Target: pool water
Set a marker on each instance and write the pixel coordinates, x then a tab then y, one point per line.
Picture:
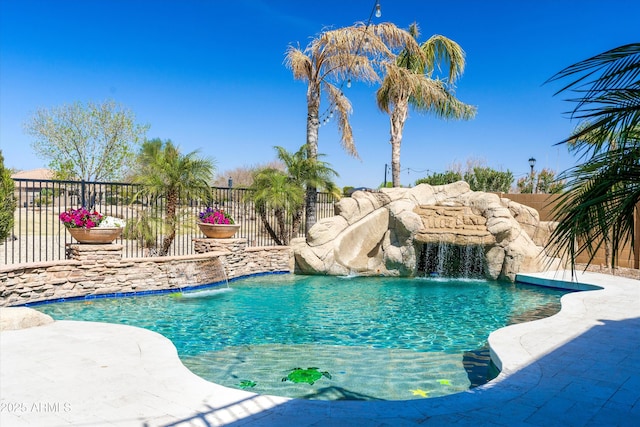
376	338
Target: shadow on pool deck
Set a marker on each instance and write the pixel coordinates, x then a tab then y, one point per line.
593	379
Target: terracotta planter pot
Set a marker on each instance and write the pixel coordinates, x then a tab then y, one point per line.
96	235
218	231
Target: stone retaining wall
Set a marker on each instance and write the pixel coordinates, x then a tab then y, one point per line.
240	260
100	269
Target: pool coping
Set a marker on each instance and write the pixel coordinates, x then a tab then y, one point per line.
550	375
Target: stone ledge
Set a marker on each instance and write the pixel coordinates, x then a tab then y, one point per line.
170	258
84	247
268	248
33	265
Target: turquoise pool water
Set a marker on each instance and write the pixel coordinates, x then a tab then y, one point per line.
378	338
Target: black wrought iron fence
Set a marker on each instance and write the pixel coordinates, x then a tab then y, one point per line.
39	235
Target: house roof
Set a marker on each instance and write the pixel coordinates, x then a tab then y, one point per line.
41	173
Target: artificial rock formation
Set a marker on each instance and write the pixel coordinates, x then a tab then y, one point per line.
12	318
383	232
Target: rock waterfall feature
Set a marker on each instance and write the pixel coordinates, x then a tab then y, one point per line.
426	230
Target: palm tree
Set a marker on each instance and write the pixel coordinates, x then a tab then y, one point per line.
308	172
348	53
164	172
408	82
283	191
273	189
603	192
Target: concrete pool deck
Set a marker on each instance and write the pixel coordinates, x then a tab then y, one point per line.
580	367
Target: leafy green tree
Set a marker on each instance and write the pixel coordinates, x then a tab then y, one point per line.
438	178
7	200
324	64
45	198
548	183
488	179
603	191
163	171
409	82
545	182
479	178
95	142
525	184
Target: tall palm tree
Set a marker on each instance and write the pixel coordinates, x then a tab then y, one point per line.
604	190
165	172
408	82
336	56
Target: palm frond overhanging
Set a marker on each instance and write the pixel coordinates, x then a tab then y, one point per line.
607	95
604	190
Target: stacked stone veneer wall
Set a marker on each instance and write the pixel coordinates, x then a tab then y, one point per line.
96	270
239	260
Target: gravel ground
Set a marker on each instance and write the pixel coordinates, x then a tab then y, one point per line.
629	273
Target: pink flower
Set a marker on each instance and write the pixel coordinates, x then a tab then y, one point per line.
80	218
215	216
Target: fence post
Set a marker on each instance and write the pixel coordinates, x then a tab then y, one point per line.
82	192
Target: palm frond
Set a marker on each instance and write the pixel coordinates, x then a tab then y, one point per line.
432	96
397	38
617	67
426	95
607	89
299	63
342	110
442	50
342	66
599	204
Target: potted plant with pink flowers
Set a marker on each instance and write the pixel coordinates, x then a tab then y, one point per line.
90	226
217	224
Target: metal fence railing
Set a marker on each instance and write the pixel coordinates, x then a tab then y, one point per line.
39	235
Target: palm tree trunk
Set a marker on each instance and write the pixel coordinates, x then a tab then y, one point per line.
267	226
313	124
282	226
295	223
398	117
172	204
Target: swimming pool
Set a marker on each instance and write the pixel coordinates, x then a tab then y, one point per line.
375	338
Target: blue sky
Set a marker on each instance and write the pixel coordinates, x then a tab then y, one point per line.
209	75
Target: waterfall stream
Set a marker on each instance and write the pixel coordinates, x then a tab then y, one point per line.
450	260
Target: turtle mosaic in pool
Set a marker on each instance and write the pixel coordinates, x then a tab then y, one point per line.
322	337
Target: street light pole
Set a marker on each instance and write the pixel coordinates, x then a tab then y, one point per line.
385	175
532	163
